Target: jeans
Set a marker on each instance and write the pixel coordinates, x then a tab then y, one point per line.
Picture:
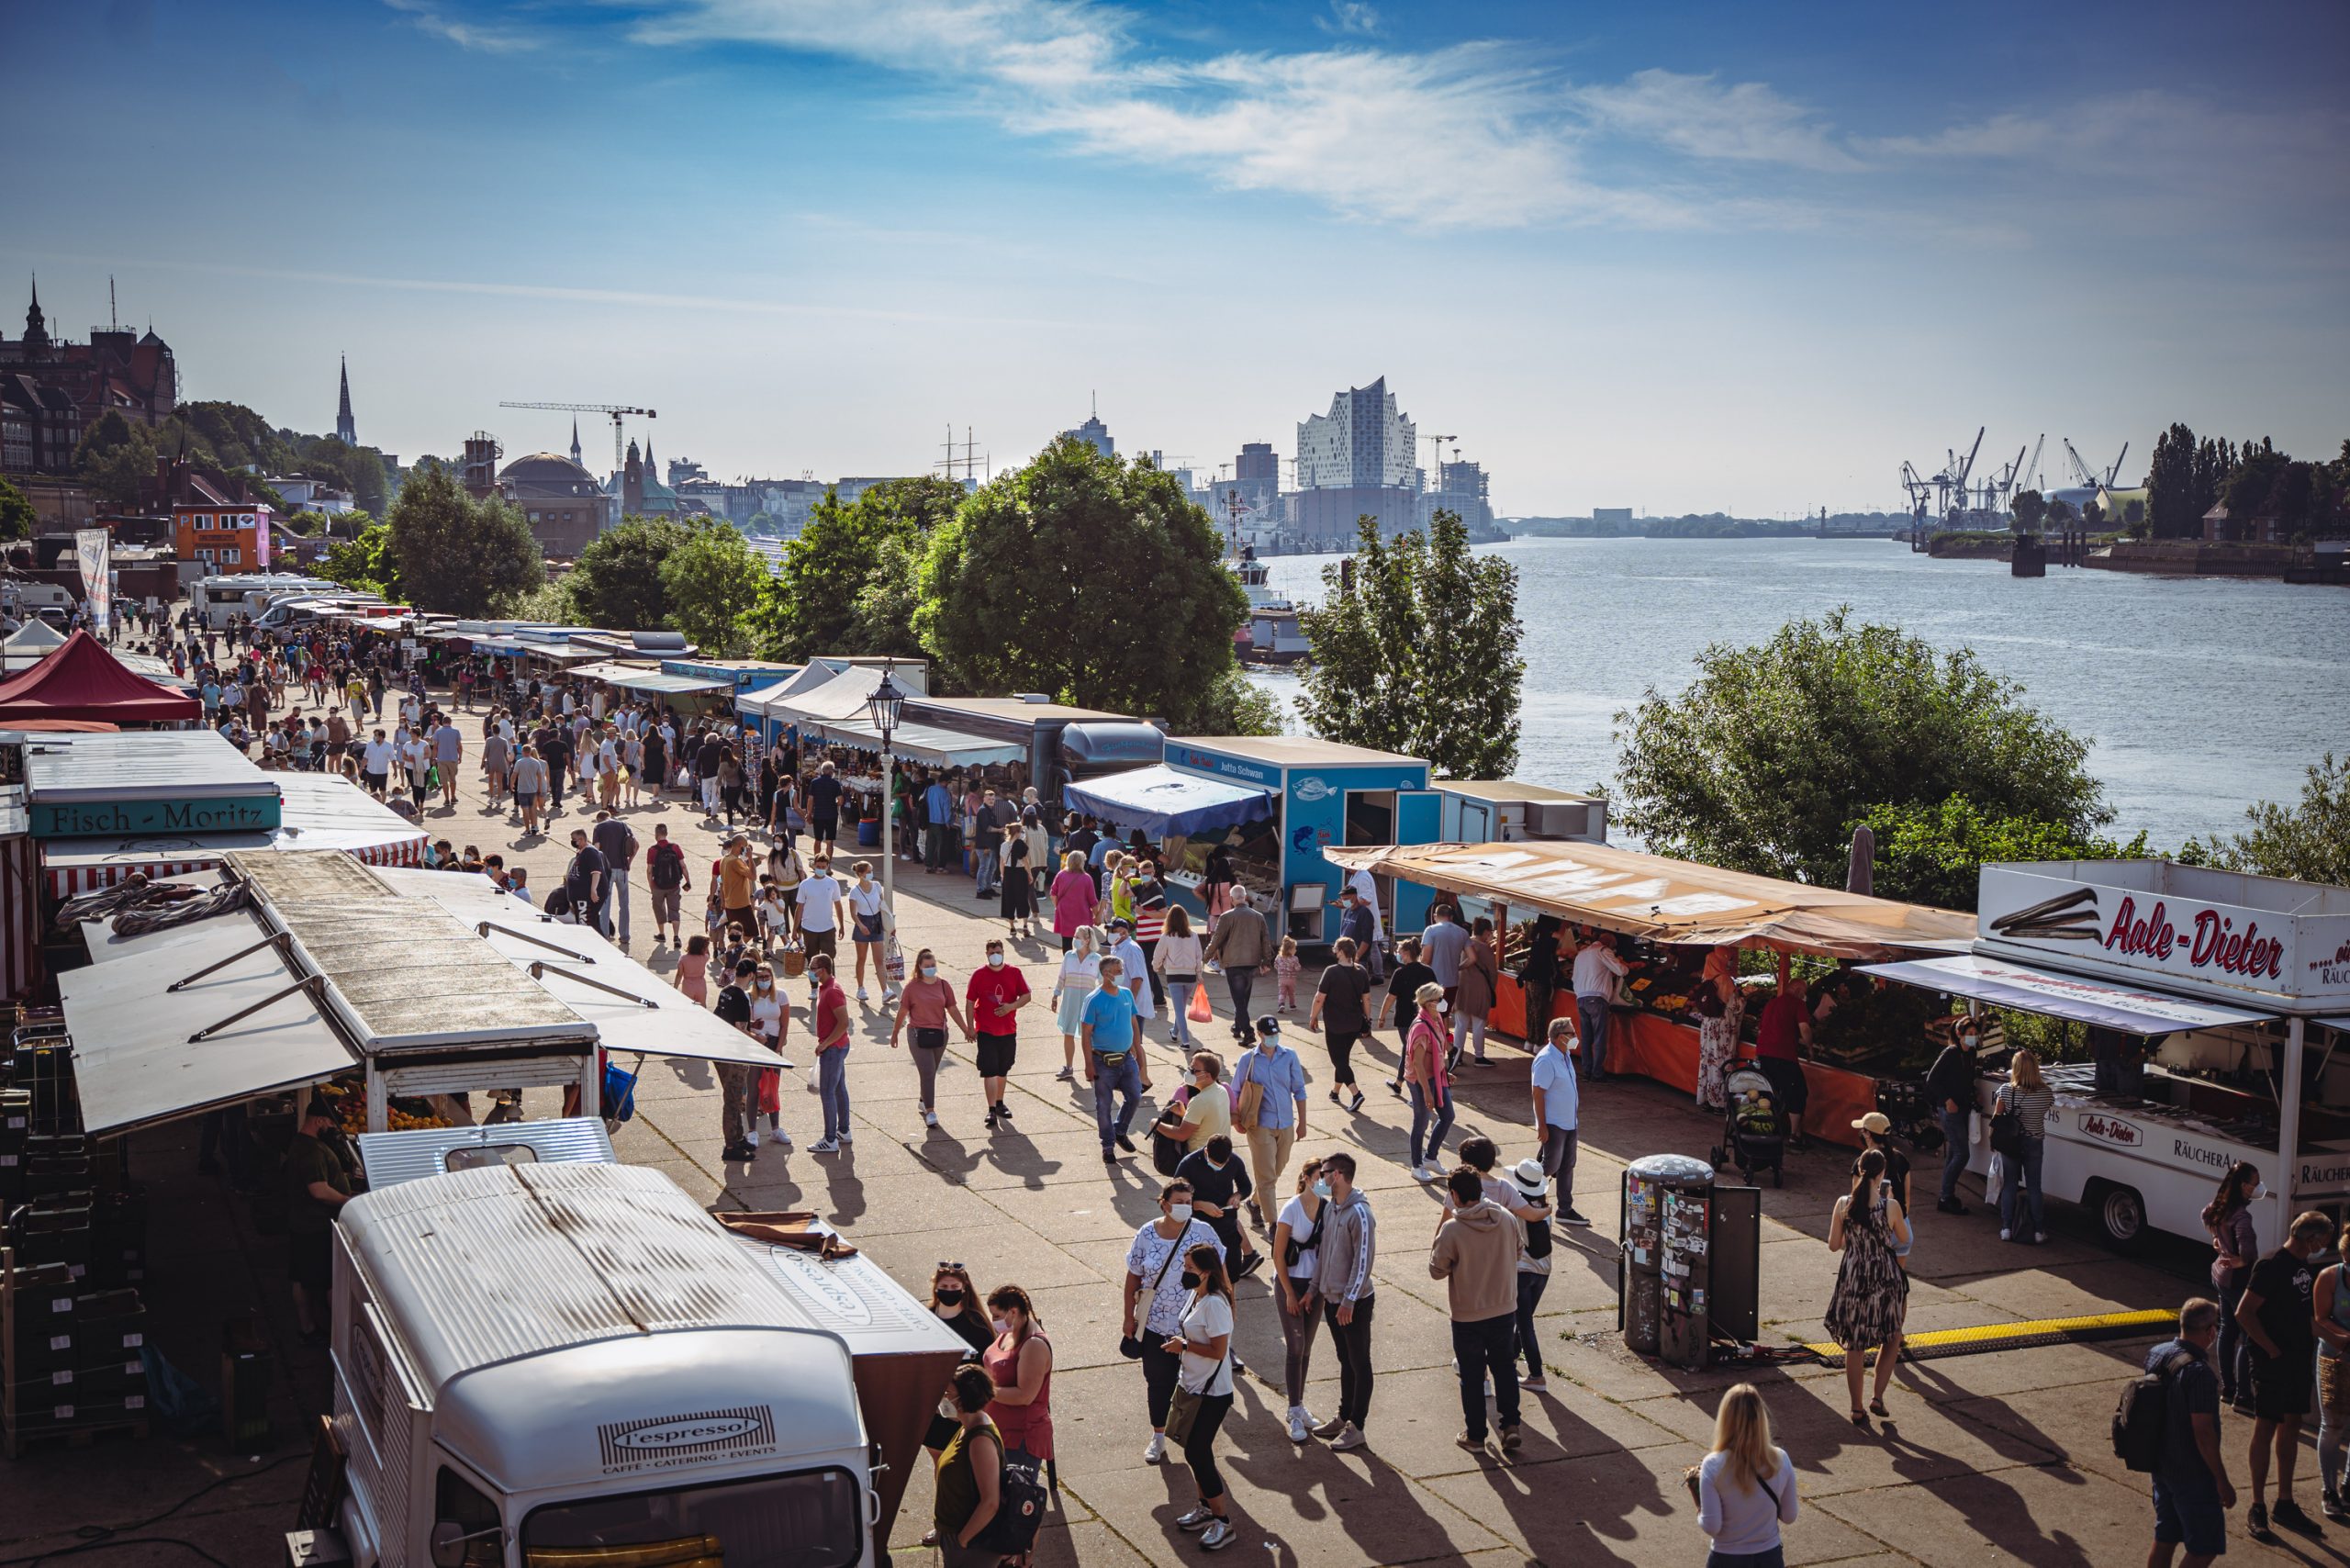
1242	984
1486	1346
2234	1359
832	1080
1179	996
1530	1296
1199	1449
1434	1124
1954	1124
1122	1078
2024	1171
1297	1343
1559	1161
1591	1013
1352	1343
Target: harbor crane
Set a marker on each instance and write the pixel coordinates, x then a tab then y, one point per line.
614	409
1952	480
2089	476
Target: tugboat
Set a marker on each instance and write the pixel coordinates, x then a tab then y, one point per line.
1270	635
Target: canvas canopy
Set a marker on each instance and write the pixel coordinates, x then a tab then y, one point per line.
920	742
841	698
2100	1003
28	646
83	680
1663	900
1164	804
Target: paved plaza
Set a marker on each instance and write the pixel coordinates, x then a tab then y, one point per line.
1986	1458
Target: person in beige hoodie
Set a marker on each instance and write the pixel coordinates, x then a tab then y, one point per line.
1475	1254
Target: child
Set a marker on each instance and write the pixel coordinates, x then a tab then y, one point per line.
714	913
693	970
774	919
1285	969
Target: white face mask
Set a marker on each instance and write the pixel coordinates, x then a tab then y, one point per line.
1969	1040
946	1408
995	961
1267	1043
1002	1326
1179	1212
2259	1190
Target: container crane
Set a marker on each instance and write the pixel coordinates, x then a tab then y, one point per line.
2081	470
613	409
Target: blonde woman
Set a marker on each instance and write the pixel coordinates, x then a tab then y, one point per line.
1081	972
1746	1488
2027	1094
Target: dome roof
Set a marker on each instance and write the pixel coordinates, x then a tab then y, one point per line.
547	475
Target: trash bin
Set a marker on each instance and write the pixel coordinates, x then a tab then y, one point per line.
1684	1237
1638	1268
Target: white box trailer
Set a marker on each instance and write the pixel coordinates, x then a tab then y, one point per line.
570	1365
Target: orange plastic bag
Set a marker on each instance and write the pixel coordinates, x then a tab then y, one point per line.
1200	1011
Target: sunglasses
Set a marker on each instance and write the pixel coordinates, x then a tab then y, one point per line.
946	1268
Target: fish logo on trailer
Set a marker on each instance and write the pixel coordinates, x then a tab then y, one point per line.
1311	788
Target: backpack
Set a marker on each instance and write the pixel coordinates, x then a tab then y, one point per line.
1020	1506
2142	1416
665	866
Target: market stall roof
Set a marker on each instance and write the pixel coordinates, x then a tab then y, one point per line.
2101	1002
1164	804
1663	900
842	697
134	1063
83	680
637	677
144	764
1019	710
1293	750
29	645
920	742
316	810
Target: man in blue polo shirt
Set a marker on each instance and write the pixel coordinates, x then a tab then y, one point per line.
1274	1069
1112	1032
939	850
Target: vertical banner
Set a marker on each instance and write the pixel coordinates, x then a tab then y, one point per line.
93	549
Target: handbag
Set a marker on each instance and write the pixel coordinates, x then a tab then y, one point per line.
1167	1152
2007	1132
1129	1345
893	963
1248	1098
1183	1410
1021	1498
816	1074
795	958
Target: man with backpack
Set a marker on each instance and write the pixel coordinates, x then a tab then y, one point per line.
665	873
2169	1423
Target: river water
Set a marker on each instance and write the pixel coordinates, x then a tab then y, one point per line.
2200	695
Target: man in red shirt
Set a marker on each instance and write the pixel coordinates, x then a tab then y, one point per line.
1779	1037
997	992
831	1055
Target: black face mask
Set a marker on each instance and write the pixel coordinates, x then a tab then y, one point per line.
950	1296
1190	1279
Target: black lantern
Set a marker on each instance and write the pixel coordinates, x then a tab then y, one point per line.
889	700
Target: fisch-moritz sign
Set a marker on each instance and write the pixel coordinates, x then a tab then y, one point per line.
96	818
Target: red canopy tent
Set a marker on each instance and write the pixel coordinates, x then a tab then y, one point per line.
83	680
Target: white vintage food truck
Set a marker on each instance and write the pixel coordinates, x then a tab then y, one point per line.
2239	989
563	1362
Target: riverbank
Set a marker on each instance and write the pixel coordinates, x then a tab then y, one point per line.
2195	558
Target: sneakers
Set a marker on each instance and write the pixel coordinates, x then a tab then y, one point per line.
2040	1239
1249	1265
1156	1450
1126	1144
1511	1437
930	1118
846	1136
1422	1174
2330	1505
825	1145
1331	1427
2289	1513
1535	1384
735	1152
1574	1216
1349	1436
1474	1443
1003	1111
2009	1235
860	993
1197	1518
1950	1207
1065	1075
1301	1428
780	1138
2256	1519
1217	1536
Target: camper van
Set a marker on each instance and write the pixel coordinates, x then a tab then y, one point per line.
566	1360
217	600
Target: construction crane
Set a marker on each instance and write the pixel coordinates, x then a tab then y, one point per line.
1952	480
614	409
1436	453
2114	473
1919	488
2032	467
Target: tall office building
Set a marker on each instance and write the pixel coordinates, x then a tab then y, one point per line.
1363	442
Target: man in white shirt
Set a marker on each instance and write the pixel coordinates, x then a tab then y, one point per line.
375	764
819	898
1367	890
1597	969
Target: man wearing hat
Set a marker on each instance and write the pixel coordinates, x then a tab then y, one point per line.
1279	1119
317	1183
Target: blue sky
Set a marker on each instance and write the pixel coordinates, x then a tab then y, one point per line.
1701	257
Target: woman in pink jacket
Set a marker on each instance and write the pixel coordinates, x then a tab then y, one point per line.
1074	898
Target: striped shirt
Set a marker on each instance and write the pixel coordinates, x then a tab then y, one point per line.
2030	1105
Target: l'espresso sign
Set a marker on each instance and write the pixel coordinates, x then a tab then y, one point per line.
2229	947
116	818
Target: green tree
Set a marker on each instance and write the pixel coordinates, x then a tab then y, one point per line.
364	563
456	556
881	618
1765	762
711	579
2030	509
810	605
2092	515
17	517
2170	486
1932	853
2309	842
2133	519
616	582
1090	578
1414	649
2252	482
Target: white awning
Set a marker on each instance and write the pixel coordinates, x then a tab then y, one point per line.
841	698
636	677
2101	1002
134	1061
920	742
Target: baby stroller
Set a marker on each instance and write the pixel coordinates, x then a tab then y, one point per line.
1754	1135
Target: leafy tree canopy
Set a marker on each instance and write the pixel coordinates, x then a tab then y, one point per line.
1091	578
711	579
811	604
1416	650
17	517
616	582
2309	842
1765	762
1932	853
364	563
457	556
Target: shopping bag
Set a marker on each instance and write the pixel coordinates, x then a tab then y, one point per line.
619	1093
1200	1011
1995	1178
893	964
770	1092
816	1076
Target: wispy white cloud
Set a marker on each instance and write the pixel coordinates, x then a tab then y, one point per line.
482	37
1349	16
1705	117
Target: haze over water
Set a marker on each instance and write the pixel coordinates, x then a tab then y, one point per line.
2200	695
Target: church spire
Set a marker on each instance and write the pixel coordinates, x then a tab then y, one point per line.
345	430
36	327
575	438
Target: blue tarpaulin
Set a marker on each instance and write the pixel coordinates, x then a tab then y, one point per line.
1165	804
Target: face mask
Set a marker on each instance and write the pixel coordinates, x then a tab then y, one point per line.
946	1408
1266	1043
1002	1326
1970	1041
1321	1189
2259	1190
1178	1212
930	971
1190	1279
950	1295
995	961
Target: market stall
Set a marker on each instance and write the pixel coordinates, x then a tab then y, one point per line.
1675	911
2216	1005
82	679
1186	816
689	694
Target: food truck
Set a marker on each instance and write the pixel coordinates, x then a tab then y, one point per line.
1317	794
2234	988
567	1361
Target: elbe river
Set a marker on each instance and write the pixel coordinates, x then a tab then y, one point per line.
2199	695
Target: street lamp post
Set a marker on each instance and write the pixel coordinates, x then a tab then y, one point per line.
888	701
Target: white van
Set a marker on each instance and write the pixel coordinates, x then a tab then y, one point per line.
549	1362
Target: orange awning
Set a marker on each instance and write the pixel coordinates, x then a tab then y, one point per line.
1668	900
